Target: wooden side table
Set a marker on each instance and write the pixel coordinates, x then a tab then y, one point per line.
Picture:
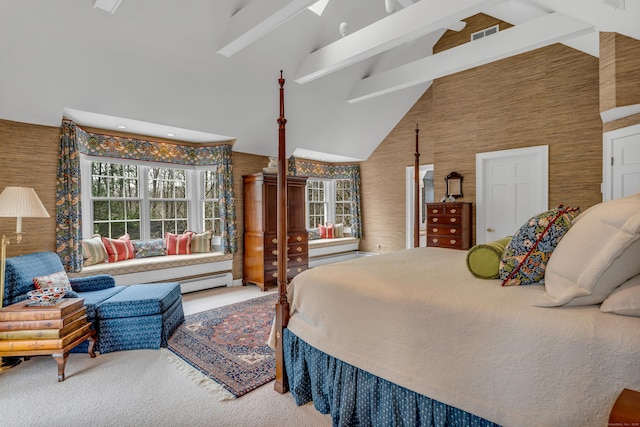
626	410
35	330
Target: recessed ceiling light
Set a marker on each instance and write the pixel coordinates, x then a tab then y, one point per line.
170	134
121	127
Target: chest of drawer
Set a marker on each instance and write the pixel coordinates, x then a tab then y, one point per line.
454	242
444	230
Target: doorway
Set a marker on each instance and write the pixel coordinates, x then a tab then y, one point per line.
621	163
426	195
511	187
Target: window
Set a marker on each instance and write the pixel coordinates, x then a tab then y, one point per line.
343	202
211	203
316	203
115	199
147	201
329	201
168	203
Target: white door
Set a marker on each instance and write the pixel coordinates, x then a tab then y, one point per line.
511	187
621	163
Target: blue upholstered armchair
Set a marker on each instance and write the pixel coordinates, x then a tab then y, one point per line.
125	317
21	270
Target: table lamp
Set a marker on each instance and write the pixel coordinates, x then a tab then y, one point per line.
16	202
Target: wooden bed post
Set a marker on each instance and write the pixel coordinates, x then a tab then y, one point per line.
282	306
416	194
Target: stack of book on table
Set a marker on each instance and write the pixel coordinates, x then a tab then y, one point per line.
25	326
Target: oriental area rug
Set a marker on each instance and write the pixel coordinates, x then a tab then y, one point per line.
229	344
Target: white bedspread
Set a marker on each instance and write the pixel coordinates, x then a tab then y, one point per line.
418	318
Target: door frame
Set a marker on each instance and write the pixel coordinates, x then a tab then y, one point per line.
540	152
607	155
409	178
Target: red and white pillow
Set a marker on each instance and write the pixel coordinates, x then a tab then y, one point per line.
326	231
179	244
119	249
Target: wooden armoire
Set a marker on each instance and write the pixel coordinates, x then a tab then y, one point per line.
260	227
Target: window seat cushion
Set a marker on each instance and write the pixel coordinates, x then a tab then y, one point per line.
138	265
339	241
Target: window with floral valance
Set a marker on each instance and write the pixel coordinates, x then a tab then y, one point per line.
349	172
75	141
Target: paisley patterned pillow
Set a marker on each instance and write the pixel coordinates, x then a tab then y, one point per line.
526	256
150	248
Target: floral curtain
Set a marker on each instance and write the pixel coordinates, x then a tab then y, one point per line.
350	172
68	212
75	140
119	147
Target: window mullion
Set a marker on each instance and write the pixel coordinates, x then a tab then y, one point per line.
330	200
195	194
145	215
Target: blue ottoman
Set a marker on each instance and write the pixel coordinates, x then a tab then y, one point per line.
139	316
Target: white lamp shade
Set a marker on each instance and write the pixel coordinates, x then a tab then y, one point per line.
19	202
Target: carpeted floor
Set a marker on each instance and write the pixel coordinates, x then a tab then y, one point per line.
228	344
141	388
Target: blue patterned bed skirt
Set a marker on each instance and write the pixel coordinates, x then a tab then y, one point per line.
355	397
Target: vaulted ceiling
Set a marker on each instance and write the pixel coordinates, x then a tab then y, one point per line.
207	70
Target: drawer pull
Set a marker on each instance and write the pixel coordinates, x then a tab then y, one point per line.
434	240
453	219
299	270
434	220
275	263
453	230
299	249
435	229
274	240
275	252
299	238
453	241
434	211
299	259
454	210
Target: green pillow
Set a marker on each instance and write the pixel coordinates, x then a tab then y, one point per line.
483	260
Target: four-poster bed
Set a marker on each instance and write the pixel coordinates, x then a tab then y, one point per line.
412	338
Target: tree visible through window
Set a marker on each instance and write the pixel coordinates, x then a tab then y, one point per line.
168	204
343	201
116	199
316	203
211	203
329	200
147	201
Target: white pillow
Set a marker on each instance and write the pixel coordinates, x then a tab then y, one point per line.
624	300
599	252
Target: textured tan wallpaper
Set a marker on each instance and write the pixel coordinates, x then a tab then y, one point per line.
549	96
30	159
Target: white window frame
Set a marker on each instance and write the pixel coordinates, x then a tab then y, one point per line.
195	188
329	200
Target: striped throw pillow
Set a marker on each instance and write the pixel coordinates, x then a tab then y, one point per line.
201	242
119	249
93	250
179	244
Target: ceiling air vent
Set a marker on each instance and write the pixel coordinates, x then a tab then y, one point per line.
484	33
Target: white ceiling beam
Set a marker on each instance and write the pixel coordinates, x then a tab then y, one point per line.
257	19
108	5
539	32
403	26
405	3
